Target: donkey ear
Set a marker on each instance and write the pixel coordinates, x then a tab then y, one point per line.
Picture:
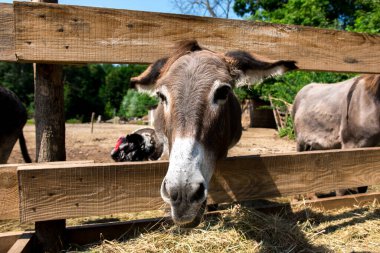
146	80
249	69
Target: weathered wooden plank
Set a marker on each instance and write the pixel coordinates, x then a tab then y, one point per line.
93	233
266	176
7	34
9	196
72	34
23	243
7	240
59	192
9	201
349	201
75	191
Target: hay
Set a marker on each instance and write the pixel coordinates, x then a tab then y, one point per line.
242	229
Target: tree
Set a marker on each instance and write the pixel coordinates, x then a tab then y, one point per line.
338	14
360	15
18	77
213	8
116	85
81	86
136	104
367	20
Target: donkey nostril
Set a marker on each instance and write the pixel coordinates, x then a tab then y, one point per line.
173	195
170	192
199	194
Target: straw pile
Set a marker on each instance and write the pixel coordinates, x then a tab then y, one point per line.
242	229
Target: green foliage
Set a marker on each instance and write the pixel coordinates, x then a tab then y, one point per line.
359	15
367	20
286	86
136	104
74	121
18	77
109	110
90	88
96	88
117	83
288	130
81	90
30	121
299	12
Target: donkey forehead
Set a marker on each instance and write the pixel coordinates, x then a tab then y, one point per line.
199	68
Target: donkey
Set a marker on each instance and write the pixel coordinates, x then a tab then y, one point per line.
198	117
15	116
338	116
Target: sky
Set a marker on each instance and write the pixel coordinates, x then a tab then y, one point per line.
165	6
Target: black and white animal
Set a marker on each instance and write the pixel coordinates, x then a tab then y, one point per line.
141	145
338	116
14	117
199	118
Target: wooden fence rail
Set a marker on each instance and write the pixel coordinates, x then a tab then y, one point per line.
51	33
9	195
49	192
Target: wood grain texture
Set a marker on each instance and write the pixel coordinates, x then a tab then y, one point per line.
9	196
349	201
7	240
77	191
23	244
265	176
7	33
9	201
59	192
72	34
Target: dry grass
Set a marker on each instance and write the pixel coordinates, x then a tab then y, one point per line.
246	230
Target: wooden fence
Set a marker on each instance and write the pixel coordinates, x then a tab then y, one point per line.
59	34
51	33
50	192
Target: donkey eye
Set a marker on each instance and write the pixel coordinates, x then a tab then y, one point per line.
221	94
162	97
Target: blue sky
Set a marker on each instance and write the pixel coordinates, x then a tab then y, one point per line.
142	5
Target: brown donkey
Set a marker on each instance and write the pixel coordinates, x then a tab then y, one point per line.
338	116
199	118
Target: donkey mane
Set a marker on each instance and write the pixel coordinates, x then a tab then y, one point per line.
372	83
181	48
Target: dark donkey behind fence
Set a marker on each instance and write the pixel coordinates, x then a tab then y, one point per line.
14	118
199	118
340	115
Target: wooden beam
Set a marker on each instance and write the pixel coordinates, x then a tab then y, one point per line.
331	203
23	244
9	200
7	240
67	191
73	34
92	233
7	33
9	196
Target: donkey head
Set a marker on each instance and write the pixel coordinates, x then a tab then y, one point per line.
199	117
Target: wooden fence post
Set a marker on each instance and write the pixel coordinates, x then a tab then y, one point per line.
49	113
50	140
92	121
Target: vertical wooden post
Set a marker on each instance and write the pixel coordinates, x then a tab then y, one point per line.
49	113
50	140
92	121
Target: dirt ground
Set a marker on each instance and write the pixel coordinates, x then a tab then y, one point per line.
81	144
